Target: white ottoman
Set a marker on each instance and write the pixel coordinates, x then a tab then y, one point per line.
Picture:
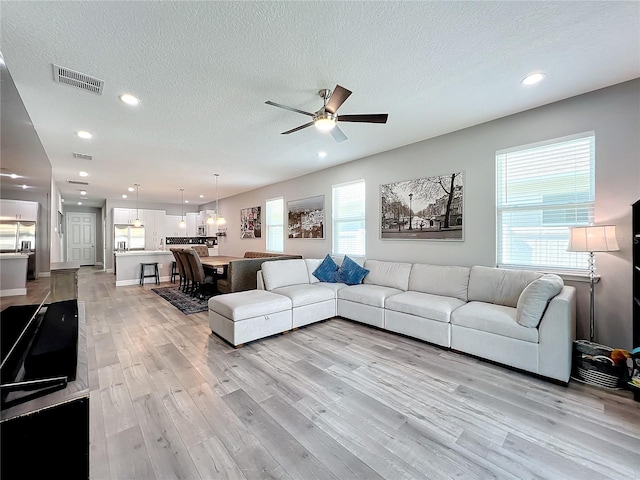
245	316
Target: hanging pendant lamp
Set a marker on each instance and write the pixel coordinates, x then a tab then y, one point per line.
182	224
137	222
219	219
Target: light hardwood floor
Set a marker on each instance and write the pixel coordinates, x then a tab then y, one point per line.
335	400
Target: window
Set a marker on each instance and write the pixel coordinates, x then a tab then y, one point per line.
348	209
542	190
275	225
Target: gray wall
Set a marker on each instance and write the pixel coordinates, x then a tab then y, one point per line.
613	113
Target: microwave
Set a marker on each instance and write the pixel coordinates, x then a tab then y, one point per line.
202	230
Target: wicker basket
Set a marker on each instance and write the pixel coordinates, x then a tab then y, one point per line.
591	366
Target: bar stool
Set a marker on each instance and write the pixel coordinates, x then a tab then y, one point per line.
174	271
155	274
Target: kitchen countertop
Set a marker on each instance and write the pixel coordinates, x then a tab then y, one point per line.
143	252
14	255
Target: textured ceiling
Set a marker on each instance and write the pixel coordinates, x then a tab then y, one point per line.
203	71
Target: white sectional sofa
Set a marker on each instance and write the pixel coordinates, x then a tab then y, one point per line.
517	318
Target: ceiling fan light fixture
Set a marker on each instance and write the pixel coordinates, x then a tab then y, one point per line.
325	121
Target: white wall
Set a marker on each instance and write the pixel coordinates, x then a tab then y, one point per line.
613	113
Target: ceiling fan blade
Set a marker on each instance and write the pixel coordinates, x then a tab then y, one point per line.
337	98
372	118
297	128
269	102
338	134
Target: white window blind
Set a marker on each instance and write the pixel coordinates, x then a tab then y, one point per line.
542	190
275	225
348	209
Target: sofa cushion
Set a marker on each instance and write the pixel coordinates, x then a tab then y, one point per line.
312	264
388	274
326	271
306	294
282	273
350	272
373	295
535	297
499	285
440	280
433	307
490	318
333	286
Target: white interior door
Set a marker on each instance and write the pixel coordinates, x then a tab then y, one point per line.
81	238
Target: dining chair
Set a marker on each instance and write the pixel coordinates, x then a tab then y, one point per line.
201	281
188	286
180	267
201	250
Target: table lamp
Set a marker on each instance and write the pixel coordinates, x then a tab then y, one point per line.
593	238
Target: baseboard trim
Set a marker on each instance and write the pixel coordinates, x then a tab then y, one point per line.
148	281
109	270
44	274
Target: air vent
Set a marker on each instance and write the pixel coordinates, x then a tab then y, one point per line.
77	79
76	182
83	156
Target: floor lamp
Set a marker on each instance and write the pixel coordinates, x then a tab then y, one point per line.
593	238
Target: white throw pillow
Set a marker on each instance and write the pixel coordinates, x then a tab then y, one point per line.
535	297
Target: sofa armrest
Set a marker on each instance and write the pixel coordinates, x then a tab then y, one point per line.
556	333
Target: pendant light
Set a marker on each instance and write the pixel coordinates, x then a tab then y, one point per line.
182	224
137	222
219	219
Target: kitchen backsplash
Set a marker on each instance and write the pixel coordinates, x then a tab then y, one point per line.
209	241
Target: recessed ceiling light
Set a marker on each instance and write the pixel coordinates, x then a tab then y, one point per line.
131	189
79	203
533	78
322	154
186	201
124	196
84	134
201	196
83	192
129	99
83	174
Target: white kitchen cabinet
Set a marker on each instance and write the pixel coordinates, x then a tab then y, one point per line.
154	228
18	210
172	226
192	224
123	216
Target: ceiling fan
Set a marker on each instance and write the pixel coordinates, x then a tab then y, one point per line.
327	117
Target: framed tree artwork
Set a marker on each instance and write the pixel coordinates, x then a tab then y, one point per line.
428	208
250	223
306	217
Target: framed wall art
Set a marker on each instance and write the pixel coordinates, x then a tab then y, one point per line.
250	223
306	217
428	208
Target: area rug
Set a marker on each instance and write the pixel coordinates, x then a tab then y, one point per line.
183	302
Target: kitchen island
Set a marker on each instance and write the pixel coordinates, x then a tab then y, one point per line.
127	265
13	274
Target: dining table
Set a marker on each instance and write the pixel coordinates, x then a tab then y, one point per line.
217	263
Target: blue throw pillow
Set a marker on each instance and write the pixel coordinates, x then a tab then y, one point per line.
350	272
326	271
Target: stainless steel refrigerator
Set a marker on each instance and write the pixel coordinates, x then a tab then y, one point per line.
20	237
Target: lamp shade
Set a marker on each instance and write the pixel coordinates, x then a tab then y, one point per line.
593	238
